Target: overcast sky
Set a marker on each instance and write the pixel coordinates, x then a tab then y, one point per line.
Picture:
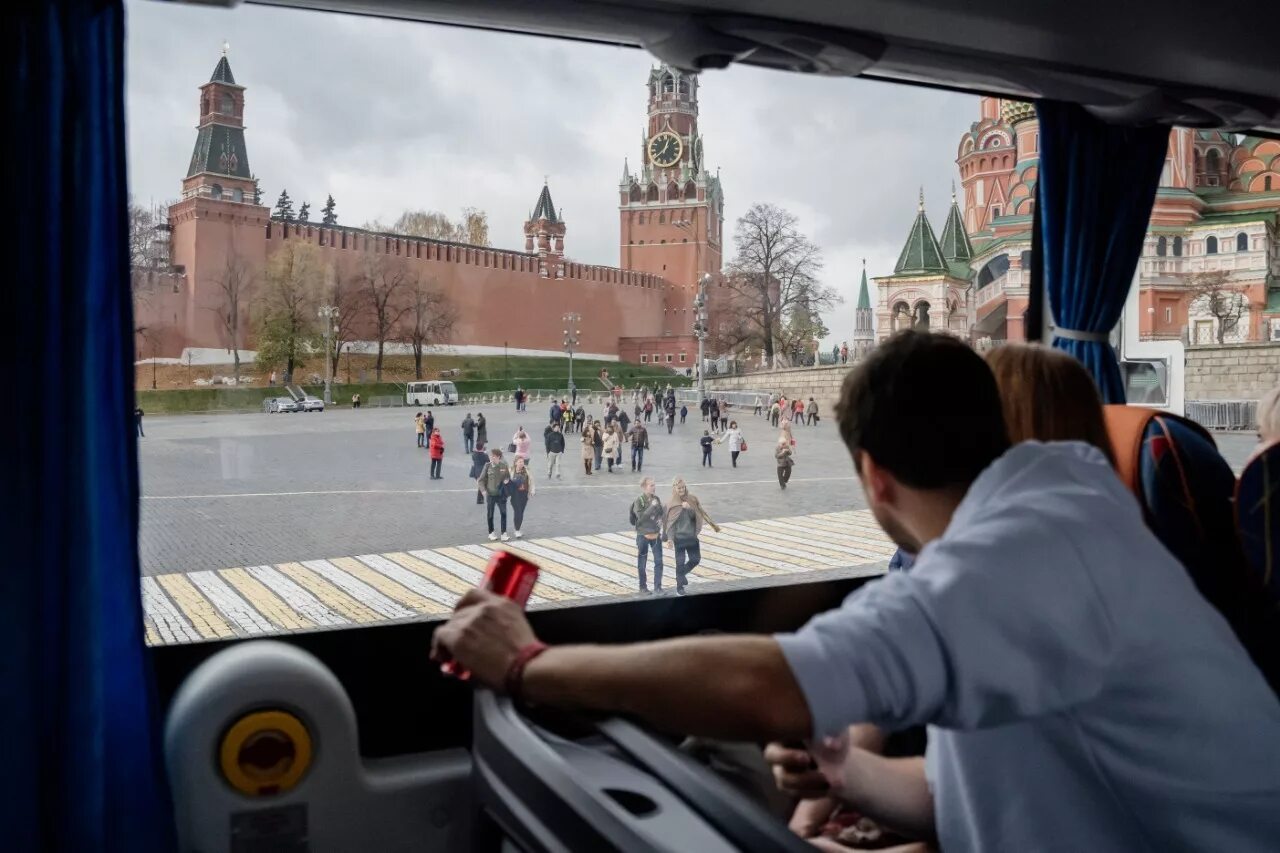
388	116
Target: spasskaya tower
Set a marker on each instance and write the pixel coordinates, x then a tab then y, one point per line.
671	208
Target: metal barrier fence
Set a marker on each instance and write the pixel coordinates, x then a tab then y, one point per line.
1224	414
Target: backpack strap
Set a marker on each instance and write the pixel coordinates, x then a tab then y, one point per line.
1126	426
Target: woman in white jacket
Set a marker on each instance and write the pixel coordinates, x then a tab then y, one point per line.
736	441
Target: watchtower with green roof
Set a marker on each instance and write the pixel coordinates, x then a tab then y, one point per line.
219	166
927	289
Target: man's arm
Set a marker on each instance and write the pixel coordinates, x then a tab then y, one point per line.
752	695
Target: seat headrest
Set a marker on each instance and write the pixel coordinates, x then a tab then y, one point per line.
1258	516
1127	428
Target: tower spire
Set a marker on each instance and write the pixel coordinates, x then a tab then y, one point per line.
921	255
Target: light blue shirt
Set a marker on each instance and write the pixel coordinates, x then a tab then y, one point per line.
1081	694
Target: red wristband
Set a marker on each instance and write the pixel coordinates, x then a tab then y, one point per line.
514	682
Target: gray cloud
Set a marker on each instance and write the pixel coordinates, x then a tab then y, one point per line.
389	115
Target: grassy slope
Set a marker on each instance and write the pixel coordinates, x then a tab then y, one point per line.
480	374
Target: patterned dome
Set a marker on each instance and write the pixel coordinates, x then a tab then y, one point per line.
1015	111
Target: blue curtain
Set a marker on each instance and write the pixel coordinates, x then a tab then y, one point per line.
83	769
1096	185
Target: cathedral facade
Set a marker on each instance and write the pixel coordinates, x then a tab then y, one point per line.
671	212
1217	211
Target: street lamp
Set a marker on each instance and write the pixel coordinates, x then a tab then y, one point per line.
700	329
571	328
328	313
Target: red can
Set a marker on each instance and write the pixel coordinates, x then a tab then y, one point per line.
509	576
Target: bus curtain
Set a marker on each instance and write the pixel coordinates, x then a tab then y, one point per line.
1096	185
83	768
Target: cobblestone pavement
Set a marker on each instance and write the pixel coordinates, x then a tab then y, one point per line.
425	583
254	489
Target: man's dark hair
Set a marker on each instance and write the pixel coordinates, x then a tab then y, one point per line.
926	408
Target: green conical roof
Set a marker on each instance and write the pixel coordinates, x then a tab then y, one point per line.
864	295
222	72
544	209
955	242
922	254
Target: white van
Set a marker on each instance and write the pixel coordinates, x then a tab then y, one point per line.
430	394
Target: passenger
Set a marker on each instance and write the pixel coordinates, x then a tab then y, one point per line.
1080	692
1048	396
1269	416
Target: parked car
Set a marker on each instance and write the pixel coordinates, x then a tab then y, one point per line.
279	405
312	404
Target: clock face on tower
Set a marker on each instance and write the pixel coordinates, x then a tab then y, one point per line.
665	149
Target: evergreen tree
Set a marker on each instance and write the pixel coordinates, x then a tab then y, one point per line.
284	207
304	212
257	190
328	216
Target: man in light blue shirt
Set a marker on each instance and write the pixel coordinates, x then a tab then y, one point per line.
1080	693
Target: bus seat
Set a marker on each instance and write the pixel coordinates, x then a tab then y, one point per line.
1187	494
261	747
1258	518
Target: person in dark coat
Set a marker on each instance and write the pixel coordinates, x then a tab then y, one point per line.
482	431
479	459
468	435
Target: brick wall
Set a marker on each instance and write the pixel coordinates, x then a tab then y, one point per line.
820	383
1232	371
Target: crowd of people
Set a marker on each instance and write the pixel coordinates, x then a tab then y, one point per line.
1075	689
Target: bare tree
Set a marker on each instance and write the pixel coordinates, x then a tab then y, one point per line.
383	281
473	228
774	274
1214	294
232	282
149	236
344	292
429	320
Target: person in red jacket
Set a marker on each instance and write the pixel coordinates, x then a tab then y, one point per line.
436	448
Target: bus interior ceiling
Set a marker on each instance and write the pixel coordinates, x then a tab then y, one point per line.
1132	63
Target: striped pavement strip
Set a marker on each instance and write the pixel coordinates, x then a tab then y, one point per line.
255	601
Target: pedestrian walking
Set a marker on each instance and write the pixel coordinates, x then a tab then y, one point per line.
812	411
705	406
436	449
493	481
420	426
479	459
521	442
714	411
684	411
639	444
799	411
553	438
624	422
621	436
683	522
580	417
774	413
785	457
648	410
670	408
355	401
556	412
588	448
786	431
521	489
519	398
736	442
646	516
430	422
844	352
611	445
707	442
597	443
482	430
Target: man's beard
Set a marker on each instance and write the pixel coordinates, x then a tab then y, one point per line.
895	530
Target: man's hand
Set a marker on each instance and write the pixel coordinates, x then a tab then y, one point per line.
484	635
795	771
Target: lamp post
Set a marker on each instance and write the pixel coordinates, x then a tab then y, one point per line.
328	313
700	329
571	328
